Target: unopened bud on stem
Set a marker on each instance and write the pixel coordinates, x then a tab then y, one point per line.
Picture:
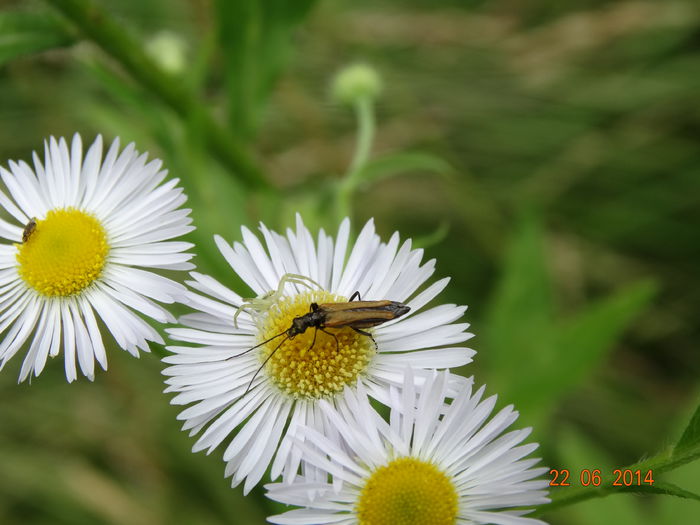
355	82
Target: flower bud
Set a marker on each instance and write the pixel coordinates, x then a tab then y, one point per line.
356	82
168	50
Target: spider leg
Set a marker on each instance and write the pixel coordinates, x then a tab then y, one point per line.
245	306
295	278
235	317
257	304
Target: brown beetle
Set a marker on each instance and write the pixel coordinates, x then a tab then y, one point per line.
354	314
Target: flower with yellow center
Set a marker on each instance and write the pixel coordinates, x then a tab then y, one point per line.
407	491
63	254
80	229
438	461
258	396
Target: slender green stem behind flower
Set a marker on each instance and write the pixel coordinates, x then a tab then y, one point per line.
96	25
364	109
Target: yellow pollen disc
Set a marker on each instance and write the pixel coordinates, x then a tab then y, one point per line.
64	253
408	491
303	368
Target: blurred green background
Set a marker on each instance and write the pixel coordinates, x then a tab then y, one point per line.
545	153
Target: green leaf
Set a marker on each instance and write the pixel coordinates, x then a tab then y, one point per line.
27	33
403	163
562	499
255	39
522	332
584	340
671	510
518	326
688	445
661	487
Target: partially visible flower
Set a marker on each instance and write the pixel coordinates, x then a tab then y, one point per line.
288	377
437	462
85	226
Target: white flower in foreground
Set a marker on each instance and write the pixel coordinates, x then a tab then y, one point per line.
215	375
84	227
435	463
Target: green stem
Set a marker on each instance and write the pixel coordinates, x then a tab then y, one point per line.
365	136
96	25
364	110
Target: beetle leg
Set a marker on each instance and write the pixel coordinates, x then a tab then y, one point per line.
337	346
355	295
368	335
313	341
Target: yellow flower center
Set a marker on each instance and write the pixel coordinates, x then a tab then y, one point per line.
405	492
304	368
62	254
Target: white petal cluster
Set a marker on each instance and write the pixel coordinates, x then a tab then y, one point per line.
486	465
140	212
212	377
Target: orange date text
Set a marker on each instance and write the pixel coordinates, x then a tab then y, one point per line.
595	478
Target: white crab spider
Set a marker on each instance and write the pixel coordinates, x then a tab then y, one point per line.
263	302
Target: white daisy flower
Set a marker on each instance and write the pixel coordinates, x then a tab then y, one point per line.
436	461
85	225
259	391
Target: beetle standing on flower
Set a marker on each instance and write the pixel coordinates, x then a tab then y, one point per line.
357	315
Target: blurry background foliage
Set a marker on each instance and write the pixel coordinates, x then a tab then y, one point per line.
546	153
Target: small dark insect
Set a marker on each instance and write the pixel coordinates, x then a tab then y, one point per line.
355	314
29	229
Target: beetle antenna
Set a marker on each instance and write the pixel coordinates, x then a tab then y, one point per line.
260	344
264	363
